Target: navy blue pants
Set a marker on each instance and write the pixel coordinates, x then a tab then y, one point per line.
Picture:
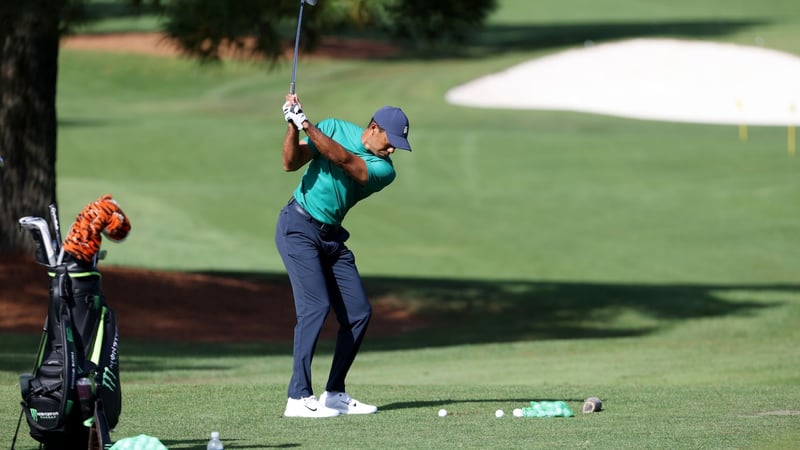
324	276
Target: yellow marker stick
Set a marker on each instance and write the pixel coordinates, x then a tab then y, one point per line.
791	140
742	127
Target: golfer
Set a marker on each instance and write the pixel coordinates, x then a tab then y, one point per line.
346	163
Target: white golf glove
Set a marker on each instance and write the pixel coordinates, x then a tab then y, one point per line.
287	110
292	112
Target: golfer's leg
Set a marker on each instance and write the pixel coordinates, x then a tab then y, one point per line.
301	258
353	311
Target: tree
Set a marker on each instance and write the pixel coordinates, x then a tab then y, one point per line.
29	44
438	24
29	35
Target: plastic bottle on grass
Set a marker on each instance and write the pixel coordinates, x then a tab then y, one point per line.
547	409
214	443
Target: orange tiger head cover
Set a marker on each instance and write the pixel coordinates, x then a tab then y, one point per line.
101	217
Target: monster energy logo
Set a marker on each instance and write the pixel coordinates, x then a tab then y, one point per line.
50	415
109	380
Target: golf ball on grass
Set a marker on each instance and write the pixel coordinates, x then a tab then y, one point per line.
518	412
442	413
499	413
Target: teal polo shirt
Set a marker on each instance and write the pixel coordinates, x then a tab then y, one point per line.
326	191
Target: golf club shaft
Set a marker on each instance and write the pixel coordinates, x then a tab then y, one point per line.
296	48
56	224
59	250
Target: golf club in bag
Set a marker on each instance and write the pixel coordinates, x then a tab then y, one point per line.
297	44
72	397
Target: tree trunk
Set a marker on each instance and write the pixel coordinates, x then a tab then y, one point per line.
29	39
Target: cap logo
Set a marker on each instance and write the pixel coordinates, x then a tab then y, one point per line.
405	131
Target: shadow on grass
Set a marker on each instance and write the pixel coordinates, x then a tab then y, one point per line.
444	312
499	39
447	402
527	37
447	312
465	312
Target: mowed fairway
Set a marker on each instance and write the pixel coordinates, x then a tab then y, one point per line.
556	256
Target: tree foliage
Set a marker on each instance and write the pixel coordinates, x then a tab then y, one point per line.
437	23
207	28
204	28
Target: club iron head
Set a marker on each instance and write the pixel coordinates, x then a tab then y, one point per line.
40	231
311	2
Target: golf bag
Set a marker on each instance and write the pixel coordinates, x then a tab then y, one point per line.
77	366
72	398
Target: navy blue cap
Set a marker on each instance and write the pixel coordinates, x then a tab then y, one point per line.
395	122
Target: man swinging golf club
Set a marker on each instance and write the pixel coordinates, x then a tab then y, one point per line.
346	164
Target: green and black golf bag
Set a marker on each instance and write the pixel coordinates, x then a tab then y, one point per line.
72	398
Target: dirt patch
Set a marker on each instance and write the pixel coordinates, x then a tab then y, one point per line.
156	44
180	306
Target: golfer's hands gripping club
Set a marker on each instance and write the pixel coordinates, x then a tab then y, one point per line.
293	111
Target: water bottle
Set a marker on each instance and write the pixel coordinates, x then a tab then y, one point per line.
214	443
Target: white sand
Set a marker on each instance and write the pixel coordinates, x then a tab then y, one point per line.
657	79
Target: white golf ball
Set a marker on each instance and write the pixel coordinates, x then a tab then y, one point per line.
518	412
442	413
499	413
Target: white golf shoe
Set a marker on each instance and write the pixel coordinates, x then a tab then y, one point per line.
308	407
345	404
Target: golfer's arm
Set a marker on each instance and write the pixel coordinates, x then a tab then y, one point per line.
335	153
295	155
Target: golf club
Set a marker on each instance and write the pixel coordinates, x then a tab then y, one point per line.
57	231
297	43
40	230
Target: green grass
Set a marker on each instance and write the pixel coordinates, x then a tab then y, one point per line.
555	255
552	195
716	382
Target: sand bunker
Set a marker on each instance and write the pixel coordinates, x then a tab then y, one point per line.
656	79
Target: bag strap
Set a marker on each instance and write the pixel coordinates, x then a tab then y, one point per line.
97	344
